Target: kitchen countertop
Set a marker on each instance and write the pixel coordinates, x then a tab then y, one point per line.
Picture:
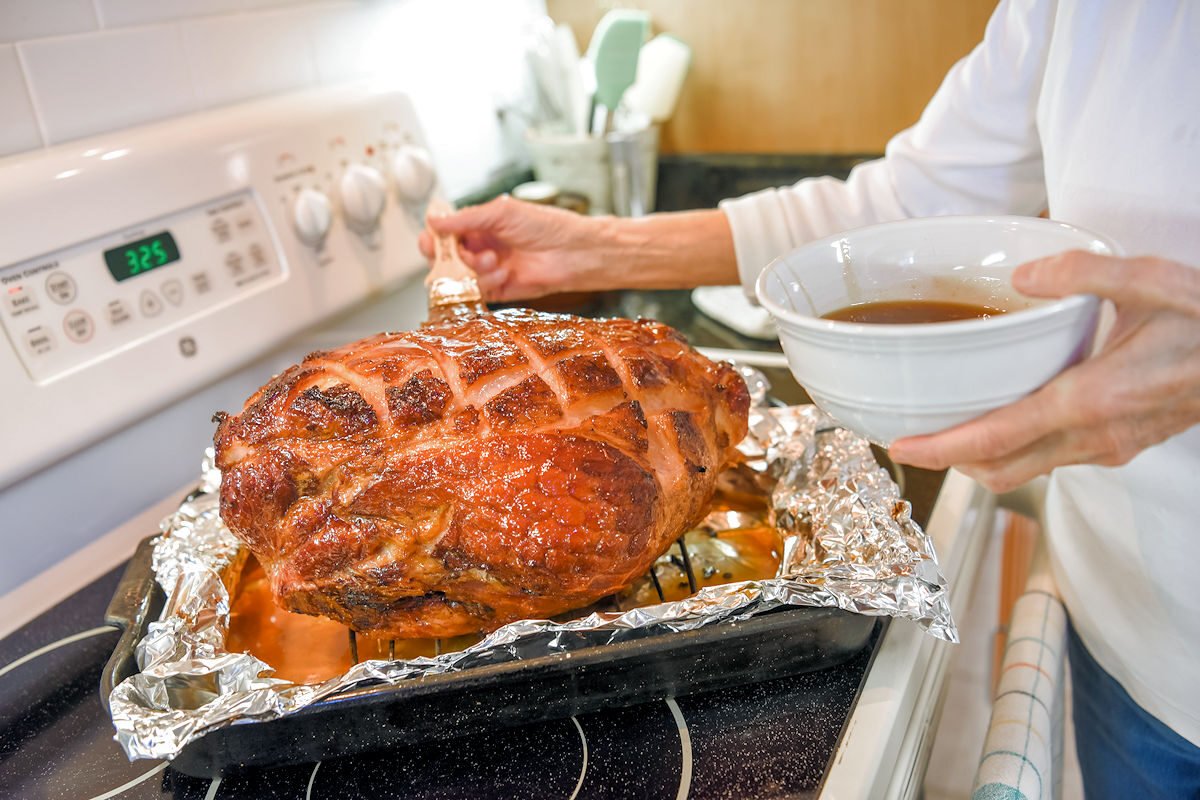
703	180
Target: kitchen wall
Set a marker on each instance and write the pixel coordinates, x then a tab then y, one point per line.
76	68
796	76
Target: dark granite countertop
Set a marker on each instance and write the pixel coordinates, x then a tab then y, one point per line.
702	181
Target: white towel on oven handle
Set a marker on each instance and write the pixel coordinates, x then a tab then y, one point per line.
1023	752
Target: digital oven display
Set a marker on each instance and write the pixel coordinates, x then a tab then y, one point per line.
134	258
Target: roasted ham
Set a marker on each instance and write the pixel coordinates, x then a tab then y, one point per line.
476	471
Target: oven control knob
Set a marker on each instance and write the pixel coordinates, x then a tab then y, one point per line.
413	172
364	192
312	216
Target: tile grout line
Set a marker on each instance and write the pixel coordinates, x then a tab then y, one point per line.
33	103
186	50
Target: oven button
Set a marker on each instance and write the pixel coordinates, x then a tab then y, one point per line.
173	291
150	304
20	299
235	265
61	288
79	326
39	340
220	230
201	283
118	313
257	255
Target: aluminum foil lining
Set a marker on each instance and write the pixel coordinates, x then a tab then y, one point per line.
848	542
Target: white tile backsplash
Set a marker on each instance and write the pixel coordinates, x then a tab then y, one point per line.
32	19
237	57
340	34
82	67
18	124
104	81
120	13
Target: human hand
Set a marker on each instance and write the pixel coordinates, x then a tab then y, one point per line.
1140	389
522	250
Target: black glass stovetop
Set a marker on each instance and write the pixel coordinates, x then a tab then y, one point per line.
765	740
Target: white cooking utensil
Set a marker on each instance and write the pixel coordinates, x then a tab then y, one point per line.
662	67
550	78
613	53
565	54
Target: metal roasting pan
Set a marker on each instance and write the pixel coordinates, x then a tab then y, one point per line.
660	665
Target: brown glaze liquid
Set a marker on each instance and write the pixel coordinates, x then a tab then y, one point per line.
911	312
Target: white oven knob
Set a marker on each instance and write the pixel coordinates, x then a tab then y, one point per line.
312	216
413	171
364	192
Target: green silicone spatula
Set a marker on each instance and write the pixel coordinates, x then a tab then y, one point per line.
613	52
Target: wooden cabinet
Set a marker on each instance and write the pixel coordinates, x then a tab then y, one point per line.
801	76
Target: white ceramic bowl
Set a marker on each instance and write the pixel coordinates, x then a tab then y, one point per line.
889	381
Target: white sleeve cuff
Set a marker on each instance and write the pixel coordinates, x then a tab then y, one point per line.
760	233
771	223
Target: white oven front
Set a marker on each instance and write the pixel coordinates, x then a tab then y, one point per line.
153	276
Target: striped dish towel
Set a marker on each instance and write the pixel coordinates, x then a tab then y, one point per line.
1022	755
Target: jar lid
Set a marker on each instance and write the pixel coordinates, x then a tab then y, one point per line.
537	192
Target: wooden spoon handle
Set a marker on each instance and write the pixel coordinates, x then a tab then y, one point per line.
447	263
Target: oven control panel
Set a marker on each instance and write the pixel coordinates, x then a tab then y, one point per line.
74	307
140	266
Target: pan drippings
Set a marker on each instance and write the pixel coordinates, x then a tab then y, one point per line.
304	648
308	649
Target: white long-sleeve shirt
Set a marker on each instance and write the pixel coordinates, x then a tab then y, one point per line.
1090	108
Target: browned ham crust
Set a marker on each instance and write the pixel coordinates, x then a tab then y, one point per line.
475	472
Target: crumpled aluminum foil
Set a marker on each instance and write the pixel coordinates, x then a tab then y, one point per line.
848	541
